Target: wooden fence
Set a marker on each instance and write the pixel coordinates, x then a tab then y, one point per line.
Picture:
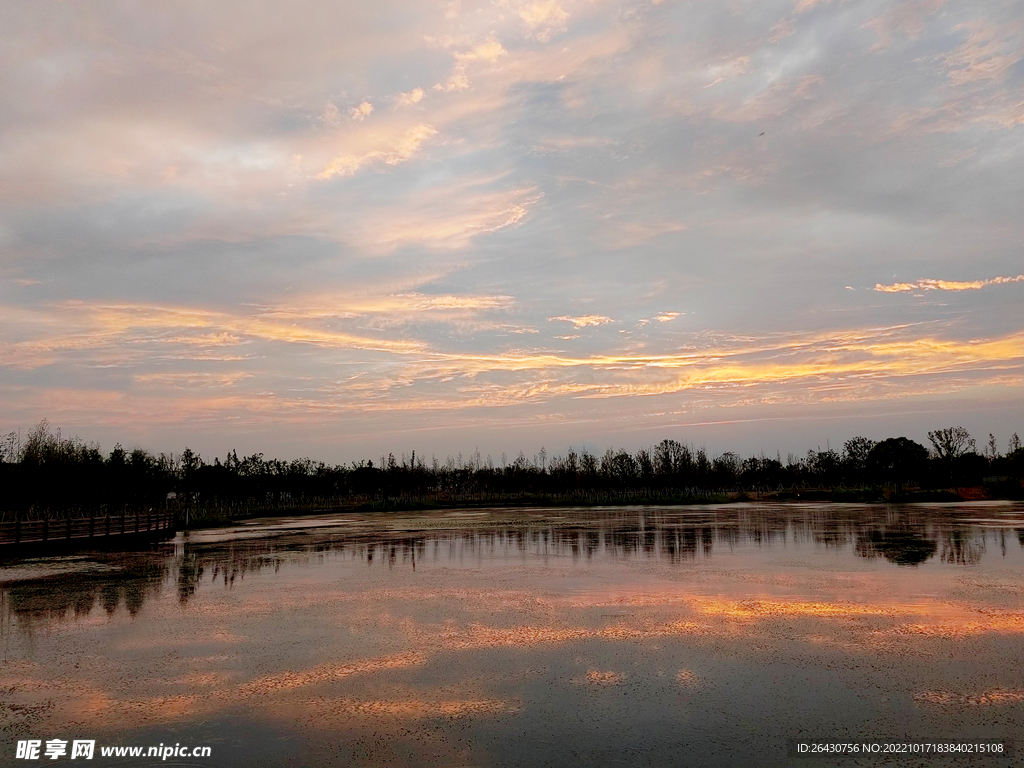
80	529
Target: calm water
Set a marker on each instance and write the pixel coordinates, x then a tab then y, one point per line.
633	637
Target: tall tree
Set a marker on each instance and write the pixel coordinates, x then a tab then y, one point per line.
951	442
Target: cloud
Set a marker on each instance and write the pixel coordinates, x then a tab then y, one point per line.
803	6
489	52
361	112
330	115
945	285
543	18
394	305
407	99
629	234
987	54
170	181
192	379
907	19
401	149
729	70
566	143
130	328
771	102
448	217
583	321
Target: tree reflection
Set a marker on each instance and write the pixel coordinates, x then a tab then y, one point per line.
901	546
900	535
958	547
60	597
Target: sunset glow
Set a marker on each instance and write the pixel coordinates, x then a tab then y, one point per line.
508	225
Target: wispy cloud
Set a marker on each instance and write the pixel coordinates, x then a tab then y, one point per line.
431	220
397	151
583	321
356	215
987	54
489	52
945	285
907	19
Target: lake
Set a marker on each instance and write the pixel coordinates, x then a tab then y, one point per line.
703	636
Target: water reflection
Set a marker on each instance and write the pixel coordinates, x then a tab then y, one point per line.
127	584
502	637
903	546
904	536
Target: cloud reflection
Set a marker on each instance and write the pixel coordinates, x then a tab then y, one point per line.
398	620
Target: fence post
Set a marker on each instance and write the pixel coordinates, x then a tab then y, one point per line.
136	521
67	528
92	525
46	528
17	531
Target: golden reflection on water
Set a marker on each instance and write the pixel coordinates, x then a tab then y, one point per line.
599	678
273	684
988	698
473	623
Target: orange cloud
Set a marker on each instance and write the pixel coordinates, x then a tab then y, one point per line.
362	112
583	321
987	54
413	374
543	18
399	151
945	285
489	51
415	96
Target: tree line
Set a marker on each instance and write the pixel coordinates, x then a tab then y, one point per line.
45	473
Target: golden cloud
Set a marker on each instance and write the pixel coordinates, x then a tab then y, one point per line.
582	321
362	112
945	285
543	18
407	99
399	151
413	374
489	51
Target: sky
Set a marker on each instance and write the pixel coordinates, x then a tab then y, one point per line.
339	229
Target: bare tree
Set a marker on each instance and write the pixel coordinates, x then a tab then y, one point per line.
951	442
10	448
991	449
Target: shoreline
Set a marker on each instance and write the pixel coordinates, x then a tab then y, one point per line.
217	518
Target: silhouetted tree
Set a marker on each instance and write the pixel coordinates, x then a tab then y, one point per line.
855	458
897	461
45	474
951	442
